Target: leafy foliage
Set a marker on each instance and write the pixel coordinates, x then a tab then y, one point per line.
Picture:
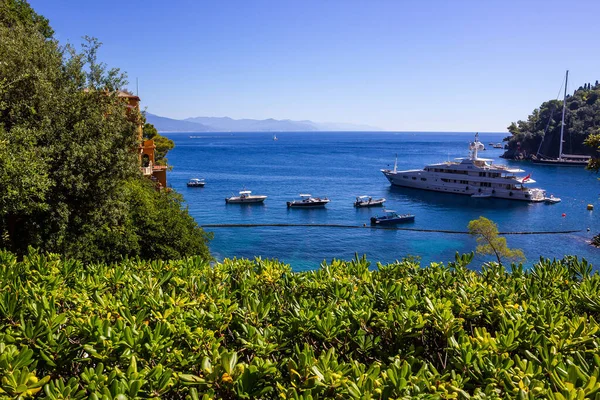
163	144
593	141
160	227
489	242
19	12
254	329
67	163
98	75
582	118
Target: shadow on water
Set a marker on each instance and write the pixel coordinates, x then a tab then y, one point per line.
307	210
247	210
371	210
450	200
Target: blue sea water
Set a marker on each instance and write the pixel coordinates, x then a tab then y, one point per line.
344	165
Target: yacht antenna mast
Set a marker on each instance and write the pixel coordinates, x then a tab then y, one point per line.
396	164
474	146
562	123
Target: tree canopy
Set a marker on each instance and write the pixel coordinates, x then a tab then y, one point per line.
163	144
489	242
593	141
19	13
67	152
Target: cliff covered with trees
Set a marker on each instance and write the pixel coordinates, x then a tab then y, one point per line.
582	118
70	179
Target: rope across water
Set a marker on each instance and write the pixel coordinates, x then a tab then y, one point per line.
377	227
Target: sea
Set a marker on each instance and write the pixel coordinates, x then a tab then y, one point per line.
344	165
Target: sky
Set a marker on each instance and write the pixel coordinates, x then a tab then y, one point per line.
454	65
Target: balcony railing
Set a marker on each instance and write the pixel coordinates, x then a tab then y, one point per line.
147	170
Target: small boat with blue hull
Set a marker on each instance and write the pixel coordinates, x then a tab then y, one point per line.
368	201
196	182
392	218
307	201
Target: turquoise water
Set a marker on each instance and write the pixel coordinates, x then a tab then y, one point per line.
345	165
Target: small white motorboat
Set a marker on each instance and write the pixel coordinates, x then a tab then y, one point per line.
245	197
368	201
196	182
552	200
307	201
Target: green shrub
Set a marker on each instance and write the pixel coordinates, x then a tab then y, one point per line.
255	329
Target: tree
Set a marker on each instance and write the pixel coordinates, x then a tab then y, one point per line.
593	141
513	128
66	159
162	227
98	76
149	131
594	165
78	142
19	12
163	144
489	242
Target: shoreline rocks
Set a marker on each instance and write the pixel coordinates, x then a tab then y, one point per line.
518	155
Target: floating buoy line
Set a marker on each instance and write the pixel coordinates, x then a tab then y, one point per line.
377	228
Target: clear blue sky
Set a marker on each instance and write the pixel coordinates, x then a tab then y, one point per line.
400	65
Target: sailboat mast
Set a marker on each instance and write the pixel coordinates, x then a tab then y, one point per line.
562	124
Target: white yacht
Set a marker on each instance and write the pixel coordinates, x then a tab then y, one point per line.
245	197
472	176
307	201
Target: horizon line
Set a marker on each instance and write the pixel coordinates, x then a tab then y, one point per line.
379	131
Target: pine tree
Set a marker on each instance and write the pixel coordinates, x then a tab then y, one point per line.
489	242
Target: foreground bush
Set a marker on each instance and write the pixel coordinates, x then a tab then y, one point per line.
254	329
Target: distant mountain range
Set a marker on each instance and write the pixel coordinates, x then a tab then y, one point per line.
226	124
